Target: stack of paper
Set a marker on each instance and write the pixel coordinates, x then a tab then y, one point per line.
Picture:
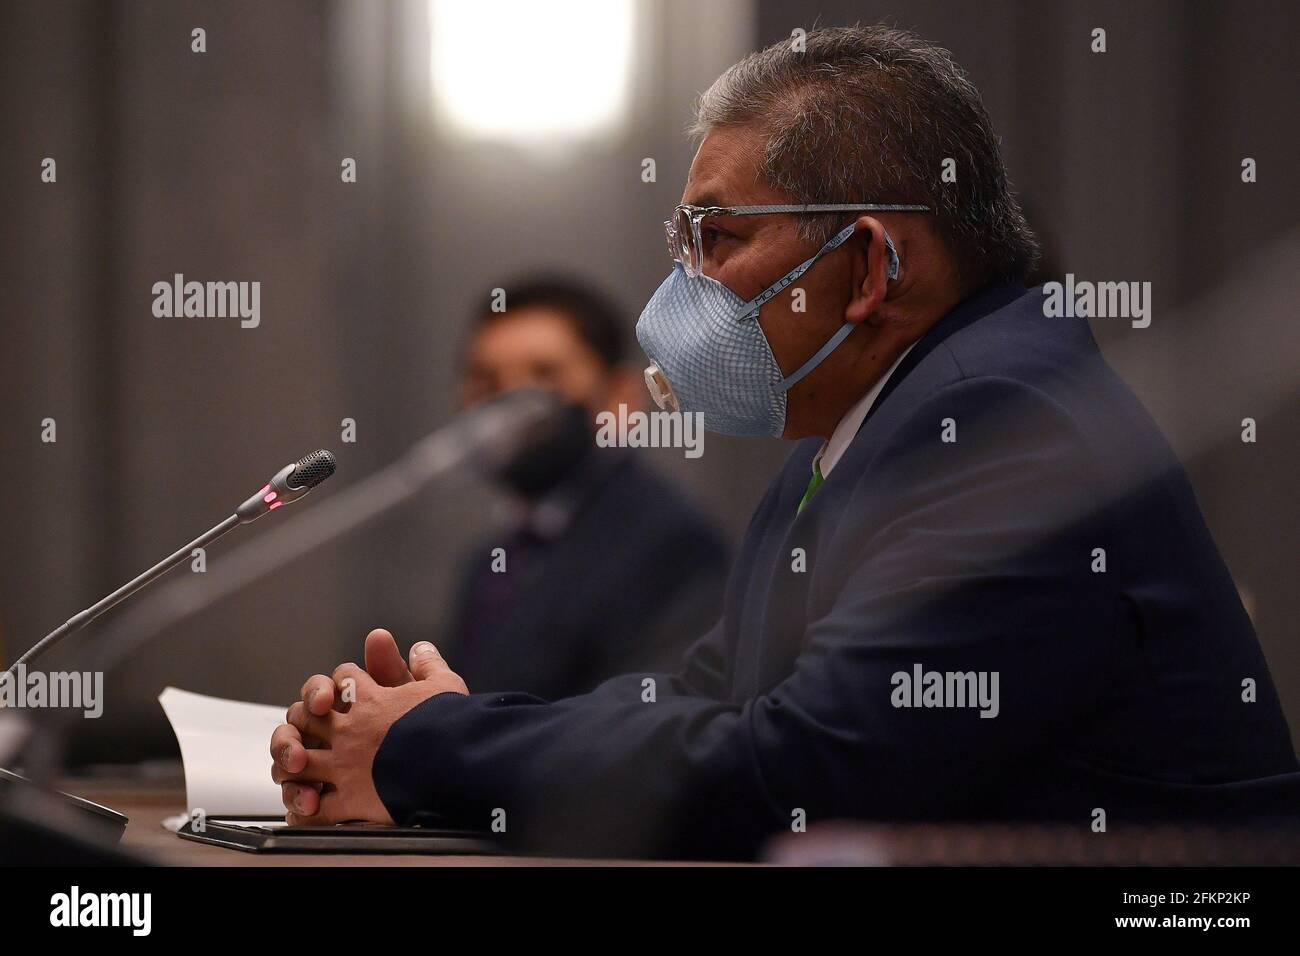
226	749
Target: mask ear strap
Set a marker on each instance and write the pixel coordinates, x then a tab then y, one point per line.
843	331
840	335
753	305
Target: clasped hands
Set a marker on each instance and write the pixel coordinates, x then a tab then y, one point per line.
322	756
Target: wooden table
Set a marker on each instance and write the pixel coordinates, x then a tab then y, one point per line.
147	807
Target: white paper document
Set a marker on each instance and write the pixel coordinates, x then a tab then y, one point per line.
226	749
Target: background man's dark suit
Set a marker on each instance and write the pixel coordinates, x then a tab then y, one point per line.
1119	690
614	570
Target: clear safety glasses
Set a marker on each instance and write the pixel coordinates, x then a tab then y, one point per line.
685	228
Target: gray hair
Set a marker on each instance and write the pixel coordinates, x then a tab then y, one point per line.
869	114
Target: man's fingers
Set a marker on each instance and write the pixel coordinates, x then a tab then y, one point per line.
426	662
315	766
309	724
315	809
302	800
287	749
384	661
333	807
318	694
350	682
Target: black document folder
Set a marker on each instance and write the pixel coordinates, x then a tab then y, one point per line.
273	835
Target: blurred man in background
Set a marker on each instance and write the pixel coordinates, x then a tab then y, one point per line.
607	566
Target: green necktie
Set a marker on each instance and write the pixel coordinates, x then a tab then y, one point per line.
814	483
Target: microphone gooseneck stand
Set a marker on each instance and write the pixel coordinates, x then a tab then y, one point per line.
78	621
488	437
289	484
47	824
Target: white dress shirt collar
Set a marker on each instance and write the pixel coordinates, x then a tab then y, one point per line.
839	441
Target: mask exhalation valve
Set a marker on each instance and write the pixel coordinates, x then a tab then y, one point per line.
657	382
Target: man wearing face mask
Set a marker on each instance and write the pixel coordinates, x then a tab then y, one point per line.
609	567
981	588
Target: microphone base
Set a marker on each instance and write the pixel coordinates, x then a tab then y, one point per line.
50	827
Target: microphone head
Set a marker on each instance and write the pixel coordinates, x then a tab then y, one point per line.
310	470
288	484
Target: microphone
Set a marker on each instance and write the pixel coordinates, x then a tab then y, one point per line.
288	484
487	438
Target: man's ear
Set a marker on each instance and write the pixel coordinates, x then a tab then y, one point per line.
870	269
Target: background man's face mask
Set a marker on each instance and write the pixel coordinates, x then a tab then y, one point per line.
542	464
710	354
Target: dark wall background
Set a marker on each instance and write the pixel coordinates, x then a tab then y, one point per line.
226	166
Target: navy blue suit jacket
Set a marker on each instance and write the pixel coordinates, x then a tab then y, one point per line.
1119	689
634	577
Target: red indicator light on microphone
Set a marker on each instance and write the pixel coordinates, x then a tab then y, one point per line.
275	505
269	498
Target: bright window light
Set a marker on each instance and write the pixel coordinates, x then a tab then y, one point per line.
527	69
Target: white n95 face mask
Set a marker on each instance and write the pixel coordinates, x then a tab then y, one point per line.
710	354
